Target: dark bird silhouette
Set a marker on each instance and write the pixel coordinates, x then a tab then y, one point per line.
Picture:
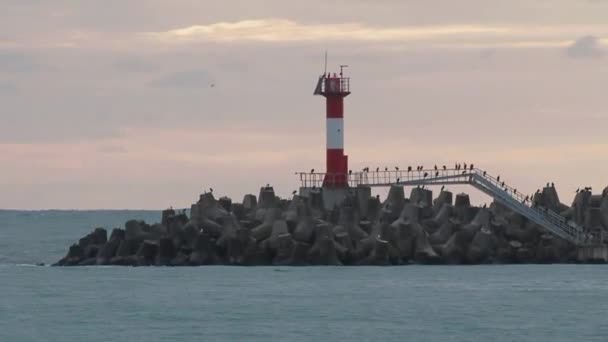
577	190
409	168
552	185
471	167
436	173
294	192
485	205
464	172
396	168
484	173
465	166
527	198
425	174
385	168
502	184
268	185
312	170
498	179
398	179
377	196
456	166
514	191
442	187
435	167
211	190
444	168
547	184
350	172
377	169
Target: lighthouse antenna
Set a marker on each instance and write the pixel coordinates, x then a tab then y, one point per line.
325	71
342	69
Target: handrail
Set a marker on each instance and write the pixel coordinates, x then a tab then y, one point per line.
480	179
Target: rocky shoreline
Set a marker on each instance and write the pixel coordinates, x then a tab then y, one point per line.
363	230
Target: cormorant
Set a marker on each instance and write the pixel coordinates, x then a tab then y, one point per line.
396	168
294	192
398	179
444	167
425	174
471	167
377	169
409	169
498	179
552	185
385	168
435	167
502	184
577	190
436	173
312	170
485	205
350	172
442	187
465	166
484	173
211	190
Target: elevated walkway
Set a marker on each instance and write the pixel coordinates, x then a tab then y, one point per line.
494	187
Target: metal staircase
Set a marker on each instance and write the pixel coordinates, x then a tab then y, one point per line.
510	197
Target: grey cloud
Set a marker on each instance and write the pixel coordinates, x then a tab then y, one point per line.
585	47
134	65
16	62
7	88
185	79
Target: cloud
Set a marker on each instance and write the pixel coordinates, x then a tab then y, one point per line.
134	65
7	88
185	79
462	35
585	47
16	62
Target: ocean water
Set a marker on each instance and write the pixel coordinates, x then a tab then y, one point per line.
408	303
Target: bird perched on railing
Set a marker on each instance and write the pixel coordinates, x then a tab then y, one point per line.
396	168
409	169
465	166
436	173
435	167
425	175
498	179
484	173
312	170
444	168
442	187
471	167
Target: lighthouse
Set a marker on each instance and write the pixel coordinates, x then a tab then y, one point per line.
334	87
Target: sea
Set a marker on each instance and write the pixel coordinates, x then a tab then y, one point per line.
220	303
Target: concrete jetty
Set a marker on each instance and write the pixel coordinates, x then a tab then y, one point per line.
358	230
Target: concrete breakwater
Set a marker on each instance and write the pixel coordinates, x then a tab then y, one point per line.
362	230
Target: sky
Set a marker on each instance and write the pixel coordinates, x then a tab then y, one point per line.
109	104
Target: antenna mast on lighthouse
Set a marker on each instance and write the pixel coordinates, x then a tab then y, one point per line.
334	88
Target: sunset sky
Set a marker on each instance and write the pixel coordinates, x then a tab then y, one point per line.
109	104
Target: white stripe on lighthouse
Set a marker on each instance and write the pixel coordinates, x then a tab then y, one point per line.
335	133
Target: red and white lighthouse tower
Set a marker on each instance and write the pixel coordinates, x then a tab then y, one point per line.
335	88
